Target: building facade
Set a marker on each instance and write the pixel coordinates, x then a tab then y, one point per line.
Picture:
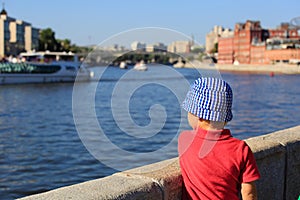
257	54
157	47
283	31
16	36
225	46
138	46
291	56
212	37
180	47
251	44
245	34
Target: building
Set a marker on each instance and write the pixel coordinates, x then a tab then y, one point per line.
284	30
16	36
213	37
4	33
246	35
157	47
291	56
225	46
251	44
138	46
113	48
257	54
31	38
180	47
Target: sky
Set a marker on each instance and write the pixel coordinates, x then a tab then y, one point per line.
94	21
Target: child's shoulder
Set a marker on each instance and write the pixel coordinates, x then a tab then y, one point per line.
185	139
240	145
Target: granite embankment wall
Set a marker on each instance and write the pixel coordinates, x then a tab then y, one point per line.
277	155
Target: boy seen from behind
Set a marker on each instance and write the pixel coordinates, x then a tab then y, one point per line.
214	164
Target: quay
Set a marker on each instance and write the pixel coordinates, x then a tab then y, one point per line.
259	69
277	155
279	68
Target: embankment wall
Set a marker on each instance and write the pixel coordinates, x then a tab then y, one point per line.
277	155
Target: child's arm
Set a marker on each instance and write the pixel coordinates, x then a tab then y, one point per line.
248	191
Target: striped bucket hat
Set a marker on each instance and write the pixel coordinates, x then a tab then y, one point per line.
210	99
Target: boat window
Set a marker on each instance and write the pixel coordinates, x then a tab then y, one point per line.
70	68
67	57
33	58
47	69
24	68
49	58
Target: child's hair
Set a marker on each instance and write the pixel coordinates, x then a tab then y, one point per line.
210	99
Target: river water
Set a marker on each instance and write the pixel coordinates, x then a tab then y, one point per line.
41	149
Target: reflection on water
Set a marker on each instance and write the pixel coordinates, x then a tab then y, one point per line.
263	104
41	150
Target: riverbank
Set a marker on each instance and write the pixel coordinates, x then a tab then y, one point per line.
248	68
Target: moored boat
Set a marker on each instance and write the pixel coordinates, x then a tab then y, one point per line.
140	66
179	63
123	65
44	67
49	56
13	73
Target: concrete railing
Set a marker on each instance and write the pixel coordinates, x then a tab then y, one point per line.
277	155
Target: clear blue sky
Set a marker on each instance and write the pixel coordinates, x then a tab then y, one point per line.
92	21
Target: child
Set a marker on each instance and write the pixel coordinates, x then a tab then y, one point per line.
214	165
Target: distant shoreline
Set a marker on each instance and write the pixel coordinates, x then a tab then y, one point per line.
248	68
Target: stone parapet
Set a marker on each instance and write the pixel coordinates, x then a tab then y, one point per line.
278	159
277	155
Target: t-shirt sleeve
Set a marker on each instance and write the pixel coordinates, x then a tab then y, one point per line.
249	171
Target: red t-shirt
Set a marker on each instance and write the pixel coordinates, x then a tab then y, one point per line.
214	164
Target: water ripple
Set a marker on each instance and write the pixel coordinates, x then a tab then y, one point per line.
40	148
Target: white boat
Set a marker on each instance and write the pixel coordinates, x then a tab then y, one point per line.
38	71
123	65
49	56
12	73
140	66
179	64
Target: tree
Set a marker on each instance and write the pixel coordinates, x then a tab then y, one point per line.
47	40
197	49
215	49
65	45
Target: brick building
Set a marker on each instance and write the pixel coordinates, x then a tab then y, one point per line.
283	31
249	44
244	35
226	49
282	55
257	54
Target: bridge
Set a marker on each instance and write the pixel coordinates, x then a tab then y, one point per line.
104	58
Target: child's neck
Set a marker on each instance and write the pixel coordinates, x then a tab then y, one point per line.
210	125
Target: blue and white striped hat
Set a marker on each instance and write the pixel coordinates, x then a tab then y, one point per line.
210	99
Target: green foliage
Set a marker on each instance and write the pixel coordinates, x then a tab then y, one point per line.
47	41
197	50
162	58
64	45
200	57
215	49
